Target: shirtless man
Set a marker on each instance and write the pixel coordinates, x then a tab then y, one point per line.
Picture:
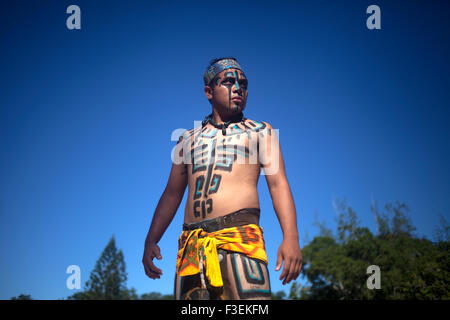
221	249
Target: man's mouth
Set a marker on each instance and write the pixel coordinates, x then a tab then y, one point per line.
237	99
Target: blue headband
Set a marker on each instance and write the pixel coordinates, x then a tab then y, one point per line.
218	67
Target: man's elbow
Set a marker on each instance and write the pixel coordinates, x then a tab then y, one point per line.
174	194
278	184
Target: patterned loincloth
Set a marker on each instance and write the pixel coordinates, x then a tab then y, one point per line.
197	249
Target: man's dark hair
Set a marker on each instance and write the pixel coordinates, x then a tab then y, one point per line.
211	62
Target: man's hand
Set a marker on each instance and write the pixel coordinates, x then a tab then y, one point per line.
290	253
151	251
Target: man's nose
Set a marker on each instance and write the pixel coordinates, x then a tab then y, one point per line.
237	87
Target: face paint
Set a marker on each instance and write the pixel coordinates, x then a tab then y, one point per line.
229	85
229	80
237	78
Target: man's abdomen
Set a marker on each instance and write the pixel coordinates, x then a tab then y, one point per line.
227	201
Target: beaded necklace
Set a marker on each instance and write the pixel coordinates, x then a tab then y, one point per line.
238	118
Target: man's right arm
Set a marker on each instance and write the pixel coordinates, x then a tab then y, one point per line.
164	213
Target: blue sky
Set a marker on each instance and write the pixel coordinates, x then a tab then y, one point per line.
86	118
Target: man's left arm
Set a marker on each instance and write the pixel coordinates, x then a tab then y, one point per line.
272	162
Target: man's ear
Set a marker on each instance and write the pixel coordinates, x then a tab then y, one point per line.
209	92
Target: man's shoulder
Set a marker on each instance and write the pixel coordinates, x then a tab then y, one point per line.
257	125
186	134
189	132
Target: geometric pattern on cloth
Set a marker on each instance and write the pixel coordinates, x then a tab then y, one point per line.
198	245
218	67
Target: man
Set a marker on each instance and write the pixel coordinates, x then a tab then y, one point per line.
221	248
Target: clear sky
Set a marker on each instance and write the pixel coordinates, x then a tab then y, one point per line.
86	118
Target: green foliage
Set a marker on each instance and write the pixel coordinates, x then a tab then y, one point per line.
394	222
108	279
279	295
22	297
442	232
156	296
323	230
411	268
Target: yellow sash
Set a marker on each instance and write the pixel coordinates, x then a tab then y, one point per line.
198	243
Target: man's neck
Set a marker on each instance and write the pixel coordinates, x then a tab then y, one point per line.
221	118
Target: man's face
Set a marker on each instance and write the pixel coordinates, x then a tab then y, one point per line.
229	93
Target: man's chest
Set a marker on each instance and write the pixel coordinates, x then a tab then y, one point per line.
216	161
212	150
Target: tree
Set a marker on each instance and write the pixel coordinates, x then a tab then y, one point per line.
156	296
22	297
279	295
108	279
411	268
442	232
395	222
